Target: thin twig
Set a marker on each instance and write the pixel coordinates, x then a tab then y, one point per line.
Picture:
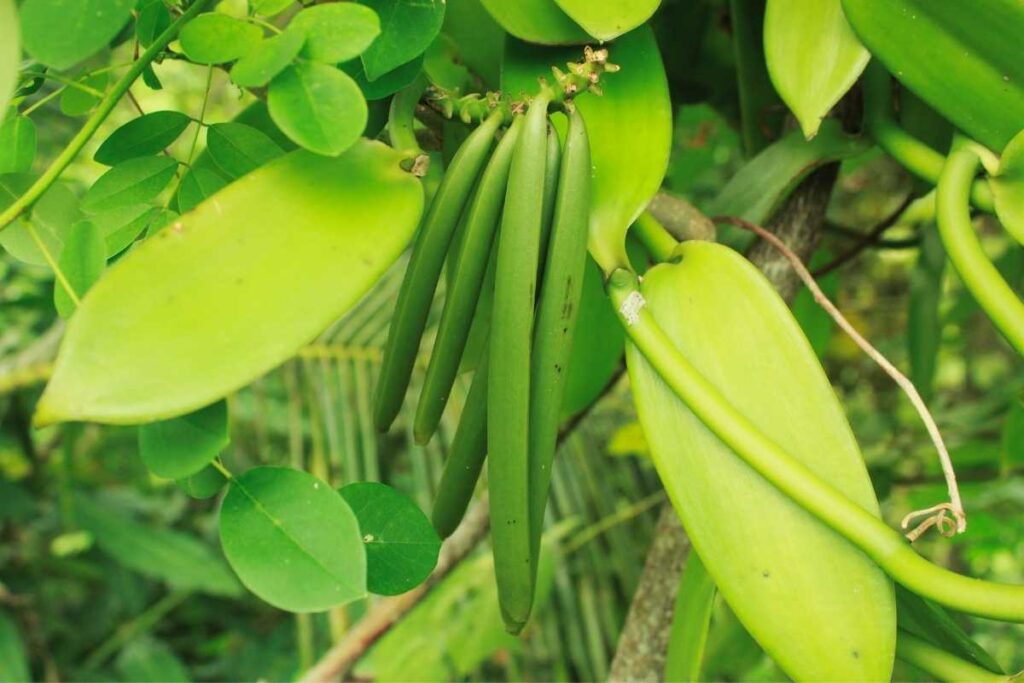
936	516
868	239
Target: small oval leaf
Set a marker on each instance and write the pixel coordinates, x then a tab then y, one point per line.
401	544
216	291
122	225
61	33
17	144
318	106
305	528
199	184
215	38
237	148
268	59
135	181
206	483
182	446
147	135
75	101
82	261
337	32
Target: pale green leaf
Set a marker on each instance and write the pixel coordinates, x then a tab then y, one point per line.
608	19
148	134
308	530
182	446
1008	188
537	21
215	38
318	106
337	32
268	59
17	144
61	33
136	181
10	51
269	8
122	225
82	261
79	102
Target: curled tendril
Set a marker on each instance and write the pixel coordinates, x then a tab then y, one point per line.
937	516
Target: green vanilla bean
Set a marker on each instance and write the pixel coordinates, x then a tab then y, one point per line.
508	395
911	153
420	282
93	123
885	546
953	212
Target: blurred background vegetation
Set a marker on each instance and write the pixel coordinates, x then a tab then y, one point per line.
109	573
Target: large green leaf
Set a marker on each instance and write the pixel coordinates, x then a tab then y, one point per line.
234	287
10	51
630	130
608	19
813	56
407	29
1008	187
318	106
178	559
292	540
963	58
816	604
184	445
537	21
61	33
401	544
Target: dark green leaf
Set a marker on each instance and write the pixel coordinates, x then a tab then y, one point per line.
319	107
77	102
215	38
150	661
149	134
150	78
135	181
61	33
13	661
82	261
237	148
205	483
122	225
182	446
178	559
337	32
1013	433
153	20
308	530
386	85
17	144
927	620
407	29
401	544
197	185
268	59
10	51
814	320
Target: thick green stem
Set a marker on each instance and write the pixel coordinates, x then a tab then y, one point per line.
911	153
402	118
869	533
941	664
654	236
106	105
1000	303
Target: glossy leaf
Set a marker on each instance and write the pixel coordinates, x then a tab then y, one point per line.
182	446
135	181
178	559
147	135
150	661
840	614
61	33
608	19
13	660
79	102
537	21
1008	187
336	33
199	184
17	144
121	226
216	292
961	58
206	483
215	38
268	59
82	261
237	148
630	128
401	544
318	106
10	51
407	29
302	523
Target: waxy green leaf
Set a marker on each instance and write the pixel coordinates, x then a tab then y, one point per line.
608	19
767	555
234	287
61	33
813	56
215	38
318	106
407	30
237	148
135	181
1008	187
306	527
337	32
182	446
82	261
537	21
963	58
268	59
147	135
630	130
17	144
401	544
10	51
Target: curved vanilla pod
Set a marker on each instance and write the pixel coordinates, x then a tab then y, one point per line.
561	288
468	273
428	254
887	547
508	395
953	213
